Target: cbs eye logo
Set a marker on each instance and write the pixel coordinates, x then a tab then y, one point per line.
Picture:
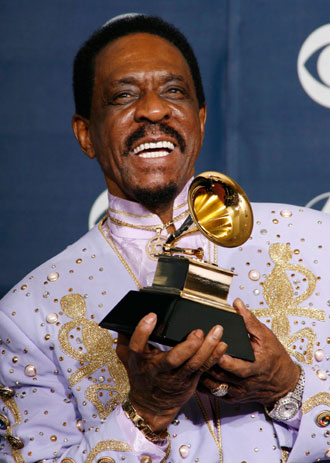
315	52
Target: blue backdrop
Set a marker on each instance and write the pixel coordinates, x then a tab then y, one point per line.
266	71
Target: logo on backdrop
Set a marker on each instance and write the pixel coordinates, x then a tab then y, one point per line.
315	52
98	210
320	202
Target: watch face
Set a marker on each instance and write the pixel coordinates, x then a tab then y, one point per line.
287	409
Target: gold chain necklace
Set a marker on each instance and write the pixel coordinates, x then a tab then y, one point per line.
148	227
138	216
154	246
217	439
109	240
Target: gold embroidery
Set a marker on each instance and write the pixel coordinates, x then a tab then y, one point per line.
107	445
12	406
99	353
322	398
285	455
278	293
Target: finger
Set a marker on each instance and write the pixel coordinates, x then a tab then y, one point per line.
208	353
185	350
214	357
238	367
142	332
254	327
208	384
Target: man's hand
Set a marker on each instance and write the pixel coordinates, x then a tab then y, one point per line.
271	376
161	382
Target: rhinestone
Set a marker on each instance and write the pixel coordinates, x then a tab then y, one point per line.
14	359
319	355
323	419
4	422
286	213
275	221
327	434
53	276
106	460
30	370
80	425
327	453
23	287
15	443
254	275
256	292
68	460
53	438
328	303
78	261
101	379
263	231
296	251
322	374
184	451
46	294
52	318
176	422
146	459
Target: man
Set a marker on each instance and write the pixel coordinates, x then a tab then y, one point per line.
140	111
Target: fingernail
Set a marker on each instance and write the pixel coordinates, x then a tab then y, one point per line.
150	318
217	331
199	334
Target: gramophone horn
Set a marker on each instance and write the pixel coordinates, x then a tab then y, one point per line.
220	210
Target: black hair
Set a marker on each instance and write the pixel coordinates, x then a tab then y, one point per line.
84	63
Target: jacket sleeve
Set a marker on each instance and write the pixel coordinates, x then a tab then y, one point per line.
39	416
311	441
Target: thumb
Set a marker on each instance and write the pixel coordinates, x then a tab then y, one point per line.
252	324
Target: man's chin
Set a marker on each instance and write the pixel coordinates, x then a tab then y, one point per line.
157	197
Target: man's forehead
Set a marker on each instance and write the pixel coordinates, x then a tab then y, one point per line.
136	49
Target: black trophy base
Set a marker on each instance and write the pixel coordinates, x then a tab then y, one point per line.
176	318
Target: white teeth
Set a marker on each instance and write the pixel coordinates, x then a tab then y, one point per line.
154	154
152	145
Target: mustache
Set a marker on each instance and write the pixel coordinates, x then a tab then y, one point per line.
155	128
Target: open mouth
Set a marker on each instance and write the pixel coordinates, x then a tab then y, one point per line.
157	149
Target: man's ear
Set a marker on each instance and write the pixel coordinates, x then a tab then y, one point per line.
202	119
80	126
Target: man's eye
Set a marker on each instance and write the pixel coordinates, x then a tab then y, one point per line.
122	98
175	92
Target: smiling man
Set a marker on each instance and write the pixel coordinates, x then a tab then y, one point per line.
66	396
146	125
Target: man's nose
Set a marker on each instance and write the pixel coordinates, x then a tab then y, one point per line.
152	107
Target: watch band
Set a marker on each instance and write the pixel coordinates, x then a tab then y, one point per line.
157	438
288	406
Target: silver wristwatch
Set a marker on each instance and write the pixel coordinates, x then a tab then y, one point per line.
288	406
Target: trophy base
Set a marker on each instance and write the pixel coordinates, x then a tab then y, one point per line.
176	318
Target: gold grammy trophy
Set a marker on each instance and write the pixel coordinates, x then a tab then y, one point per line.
188	293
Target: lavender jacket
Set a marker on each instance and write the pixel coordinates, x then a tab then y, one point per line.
61	383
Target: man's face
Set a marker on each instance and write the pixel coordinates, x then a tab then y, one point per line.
146	128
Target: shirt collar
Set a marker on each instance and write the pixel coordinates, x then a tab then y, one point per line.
129	214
